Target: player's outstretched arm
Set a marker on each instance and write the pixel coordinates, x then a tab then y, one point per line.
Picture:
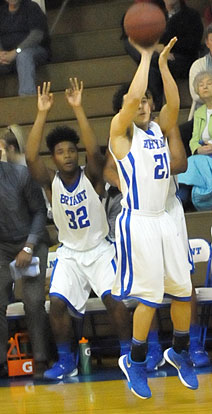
178	158
35	163
110	172
169	113
94	158
123	120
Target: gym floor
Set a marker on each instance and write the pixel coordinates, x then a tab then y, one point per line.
106	391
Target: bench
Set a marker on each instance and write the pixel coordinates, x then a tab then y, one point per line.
95	305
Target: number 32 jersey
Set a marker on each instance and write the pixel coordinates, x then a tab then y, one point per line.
78	213
145	171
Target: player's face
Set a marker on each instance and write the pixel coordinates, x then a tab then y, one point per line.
208	42
143	113
66	157
205	88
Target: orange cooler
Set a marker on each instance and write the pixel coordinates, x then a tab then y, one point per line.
19	358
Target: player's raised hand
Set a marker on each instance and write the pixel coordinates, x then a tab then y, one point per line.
142	49
165	54
45	97
74	93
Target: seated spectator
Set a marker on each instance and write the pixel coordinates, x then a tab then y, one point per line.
13	150
199	172
24	41
185	23
13	145
202	64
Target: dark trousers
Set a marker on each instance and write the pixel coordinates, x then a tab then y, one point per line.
33	296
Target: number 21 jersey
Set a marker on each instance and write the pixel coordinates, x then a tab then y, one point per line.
144	172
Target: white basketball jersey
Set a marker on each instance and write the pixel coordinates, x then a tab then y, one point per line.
78	213
145	171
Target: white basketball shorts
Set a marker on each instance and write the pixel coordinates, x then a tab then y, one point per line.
151	259
75	273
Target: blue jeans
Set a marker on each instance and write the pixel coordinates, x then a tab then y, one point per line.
25	65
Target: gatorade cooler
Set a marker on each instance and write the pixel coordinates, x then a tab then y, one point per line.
19	357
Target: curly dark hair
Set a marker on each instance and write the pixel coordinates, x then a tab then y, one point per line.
119	94
60	134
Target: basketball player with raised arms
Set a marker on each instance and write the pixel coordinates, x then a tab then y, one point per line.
86	259
147	241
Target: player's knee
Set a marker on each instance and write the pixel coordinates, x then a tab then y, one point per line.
113	306
57	306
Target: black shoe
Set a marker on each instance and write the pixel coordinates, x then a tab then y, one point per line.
39	368
3	370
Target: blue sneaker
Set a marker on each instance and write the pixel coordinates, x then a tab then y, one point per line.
198	355
135	373
64	368
154	358
184	367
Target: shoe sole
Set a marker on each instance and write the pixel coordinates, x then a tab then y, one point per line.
121	365
60	377
179	374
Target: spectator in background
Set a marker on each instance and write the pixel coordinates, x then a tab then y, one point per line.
24	41
185	23
199	173
12	145
200	65
22	235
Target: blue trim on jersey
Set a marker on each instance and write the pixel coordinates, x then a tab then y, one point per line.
190	259
125	176
72	187
178	298
134	182
145	302
126	253
150	132
114	265
53	270
123	252
70	306
107	292
129	252
167	166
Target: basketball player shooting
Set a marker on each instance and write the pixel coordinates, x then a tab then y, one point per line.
148	245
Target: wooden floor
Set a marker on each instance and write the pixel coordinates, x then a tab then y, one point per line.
169	396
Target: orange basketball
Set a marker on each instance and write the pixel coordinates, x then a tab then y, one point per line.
144	23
